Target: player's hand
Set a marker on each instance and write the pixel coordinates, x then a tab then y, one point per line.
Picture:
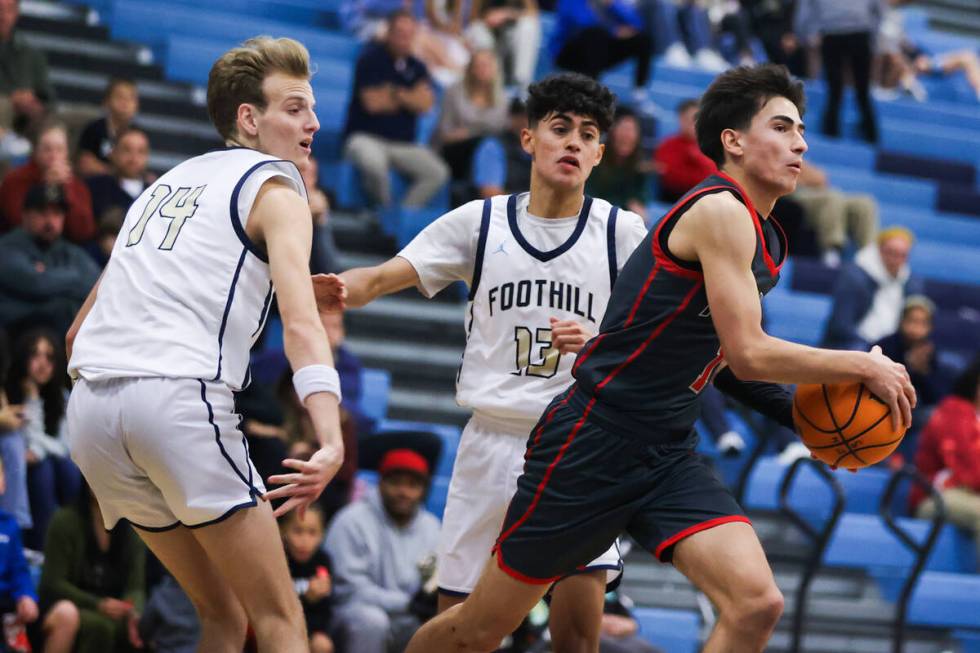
26	610
304	486
568	336
330	292
890	382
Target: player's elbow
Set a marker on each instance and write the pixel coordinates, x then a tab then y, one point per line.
747	362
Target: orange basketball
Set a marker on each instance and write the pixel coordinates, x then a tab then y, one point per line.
844	425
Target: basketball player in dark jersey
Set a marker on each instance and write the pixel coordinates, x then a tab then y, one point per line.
615	452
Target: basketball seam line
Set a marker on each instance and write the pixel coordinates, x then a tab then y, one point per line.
833	418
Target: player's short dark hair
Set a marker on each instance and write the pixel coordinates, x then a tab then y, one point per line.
736	96
115	83
570	93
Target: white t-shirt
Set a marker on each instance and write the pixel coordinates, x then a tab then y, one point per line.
528	269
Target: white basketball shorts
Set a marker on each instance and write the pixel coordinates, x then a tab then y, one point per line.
488	463
161	452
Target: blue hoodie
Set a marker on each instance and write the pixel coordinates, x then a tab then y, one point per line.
15	575
575	16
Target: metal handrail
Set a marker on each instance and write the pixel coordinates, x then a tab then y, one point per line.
820	538
921	551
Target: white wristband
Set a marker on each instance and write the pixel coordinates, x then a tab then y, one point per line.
316	378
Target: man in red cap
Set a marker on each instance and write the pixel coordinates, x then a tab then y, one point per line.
378	546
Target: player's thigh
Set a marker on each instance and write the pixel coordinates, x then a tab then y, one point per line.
249	540
576	605
188	562
727	563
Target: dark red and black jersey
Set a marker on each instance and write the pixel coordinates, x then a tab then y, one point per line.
657	348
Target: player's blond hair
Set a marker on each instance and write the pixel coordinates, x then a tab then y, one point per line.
236	77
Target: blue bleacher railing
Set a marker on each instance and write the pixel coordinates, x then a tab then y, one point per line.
820	538
921	550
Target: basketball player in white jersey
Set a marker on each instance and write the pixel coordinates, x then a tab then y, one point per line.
163	340
540	267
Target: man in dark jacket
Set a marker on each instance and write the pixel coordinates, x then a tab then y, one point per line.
870	292
43	277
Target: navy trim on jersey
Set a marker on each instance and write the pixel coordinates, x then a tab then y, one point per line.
611	245
454	593
481	247
236	221
252	490
265	311
153	529
224	316
544	257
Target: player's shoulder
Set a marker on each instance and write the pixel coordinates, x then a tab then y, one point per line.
720	205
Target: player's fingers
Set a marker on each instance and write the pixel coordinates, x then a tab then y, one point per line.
912	394
279	492
284	479
896	412
903	401
286	507
293	463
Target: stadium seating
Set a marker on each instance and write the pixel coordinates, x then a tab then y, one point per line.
675	631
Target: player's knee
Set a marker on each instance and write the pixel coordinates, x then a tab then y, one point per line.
63	617
481	638
760	610
227	617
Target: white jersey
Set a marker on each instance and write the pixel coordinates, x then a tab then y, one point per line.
185	292
522	270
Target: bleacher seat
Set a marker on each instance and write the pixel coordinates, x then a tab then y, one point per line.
797	316
674	631
901	163
375	388
946	600
435	502
945	262
864	542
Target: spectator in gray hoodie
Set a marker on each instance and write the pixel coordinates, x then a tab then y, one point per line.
379	547
169	622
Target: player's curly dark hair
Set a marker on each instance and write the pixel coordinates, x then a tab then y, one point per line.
736	96
571	93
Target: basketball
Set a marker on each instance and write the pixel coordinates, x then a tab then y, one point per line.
844	424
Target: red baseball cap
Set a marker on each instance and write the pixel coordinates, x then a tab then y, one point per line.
403	460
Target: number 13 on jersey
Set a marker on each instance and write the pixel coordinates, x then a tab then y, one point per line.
178	206
540	342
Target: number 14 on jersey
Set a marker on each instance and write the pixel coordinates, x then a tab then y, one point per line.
178	206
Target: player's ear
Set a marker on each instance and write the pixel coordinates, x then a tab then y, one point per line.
731	142
601	151
527	141
247	119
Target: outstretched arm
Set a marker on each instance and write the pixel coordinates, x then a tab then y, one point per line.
720	234
282	220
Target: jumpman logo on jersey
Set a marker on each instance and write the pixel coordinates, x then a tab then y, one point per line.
500	248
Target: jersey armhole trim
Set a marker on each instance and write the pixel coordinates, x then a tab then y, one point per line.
611	245
481	247
661	251
236	221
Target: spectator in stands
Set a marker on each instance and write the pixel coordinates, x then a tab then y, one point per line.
121	103
309	566
845	30
50	166
37	382
834	215
23	73
127	176
913	347
772	23
949	458
679	161
391	89
92	583
870	292
439	42
110	222
43	278
471	109
593	37
13	452
377	545
324	257
512	28
17	595
368	19
620	628
621	177
169	624
500	163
